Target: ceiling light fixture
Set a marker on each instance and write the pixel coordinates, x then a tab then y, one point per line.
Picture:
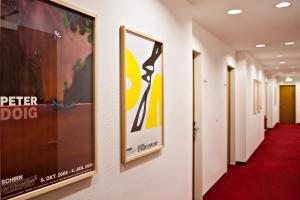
279	56
276	67
234	11
283	4
260	45
289	43
282	62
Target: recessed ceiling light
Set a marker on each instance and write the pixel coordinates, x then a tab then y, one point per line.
276	67
282	62
289	43
260	45
283	4
234	11
279	56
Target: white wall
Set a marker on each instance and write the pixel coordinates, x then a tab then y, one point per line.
162	176
250	130
215	57
273	104
240	135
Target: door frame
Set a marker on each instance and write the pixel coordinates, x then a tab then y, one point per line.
231	115
295	100
197	194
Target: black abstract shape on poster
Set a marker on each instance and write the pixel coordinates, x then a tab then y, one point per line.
148	66
81	89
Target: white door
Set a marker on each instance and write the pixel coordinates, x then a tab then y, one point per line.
197	139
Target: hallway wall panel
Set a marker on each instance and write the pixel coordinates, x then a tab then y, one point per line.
273	102
250	132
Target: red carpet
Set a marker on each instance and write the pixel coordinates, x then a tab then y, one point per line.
272	173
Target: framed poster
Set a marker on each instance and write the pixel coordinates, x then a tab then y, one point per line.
47	96
141	94
257	96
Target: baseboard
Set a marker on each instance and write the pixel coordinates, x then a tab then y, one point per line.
209	188
239	163
276	124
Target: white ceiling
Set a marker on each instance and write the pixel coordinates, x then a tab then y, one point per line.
260	22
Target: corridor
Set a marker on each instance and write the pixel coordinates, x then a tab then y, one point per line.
272	173
150	100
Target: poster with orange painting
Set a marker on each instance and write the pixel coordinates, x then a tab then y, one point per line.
47	135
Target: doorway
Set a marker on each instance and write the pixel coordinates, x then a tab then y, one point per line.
230	116
287	104
197	138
